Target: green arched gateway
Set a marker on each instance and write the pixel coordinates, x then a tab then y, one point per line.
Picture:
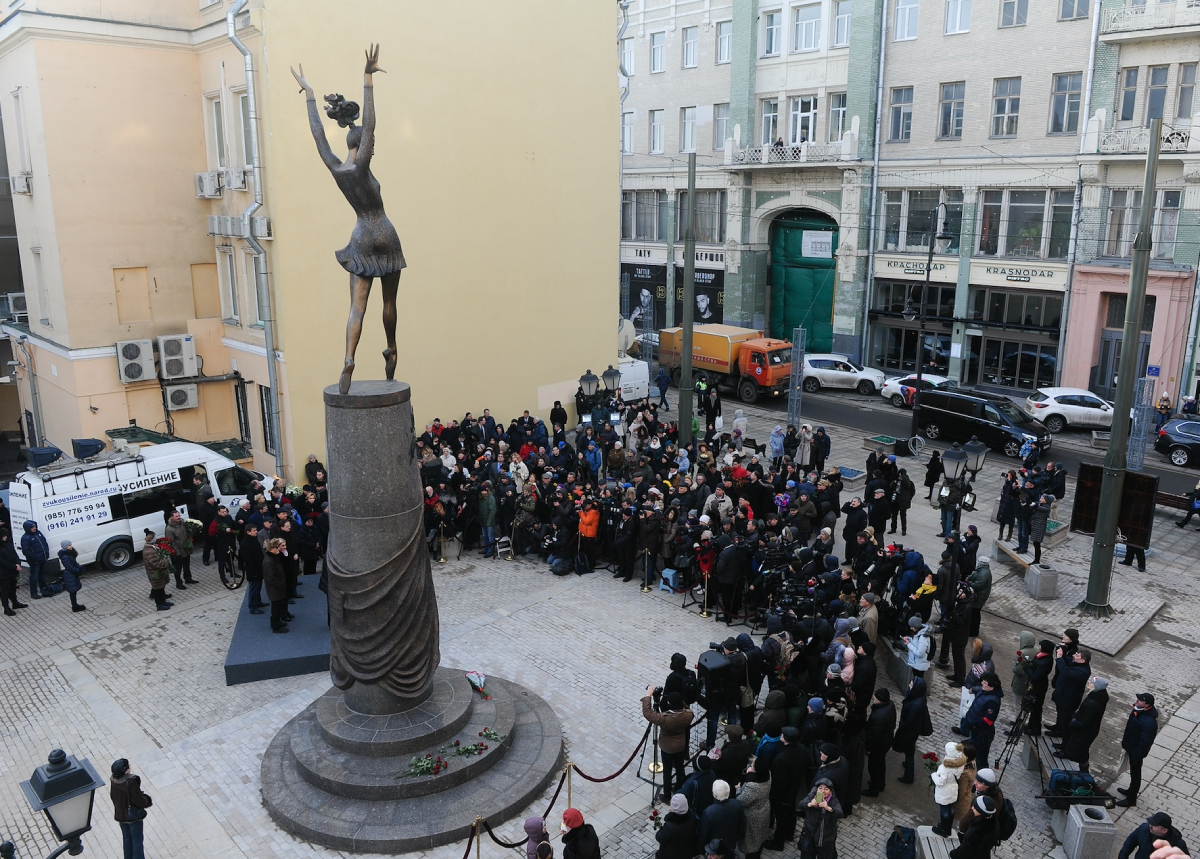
803	277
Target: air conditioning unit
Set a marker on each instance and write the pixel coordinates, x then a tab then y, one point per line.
177	356
17	307
135	360
22	183
261	227
208	185
182	397
236	178
225	225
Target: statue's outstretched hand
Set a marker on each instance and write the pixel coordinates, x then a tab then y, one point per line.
373	60
304	85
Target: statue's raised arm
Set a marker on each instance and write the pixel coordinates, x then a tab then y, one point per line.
367	147
314	121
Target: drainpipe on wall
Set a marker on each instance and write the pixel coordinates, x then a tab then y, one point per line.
261	288
864	346
1185	381
1077	202
35	399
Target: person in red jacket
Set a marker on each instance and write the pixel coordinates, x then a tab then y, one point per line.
589	528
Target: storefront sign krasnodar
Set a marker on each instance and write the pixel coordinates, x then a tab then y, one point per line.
1046	275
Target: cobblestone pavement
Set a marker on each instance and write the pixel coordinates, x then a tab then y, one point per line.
123	680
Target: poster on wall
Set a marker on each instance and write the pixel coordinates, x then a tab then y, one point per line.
817	244
647	295
709	305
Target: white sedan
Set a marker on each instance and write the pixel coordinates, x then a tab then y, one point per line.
891	388
1059	408
838	371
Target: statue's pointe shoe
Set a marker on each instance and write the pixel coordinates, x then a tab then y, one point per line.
344	382
389	363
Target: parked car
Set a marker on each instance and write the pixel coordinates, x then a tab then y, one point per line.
891	388
956	416
1180	441
1059	408
838	371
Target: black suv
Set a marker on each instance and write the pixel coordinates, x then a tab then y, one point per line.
1180	440
992	418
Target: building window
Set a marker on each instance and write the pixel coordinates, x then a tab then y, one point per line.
22	138
650	216
1187	91
254	264
244	117
1123	212
841	23
1156	93
1013	13
1166	224
1006	107
627	132
770	121
40	288
803	120
627	56
950	113
710	216
268	422
227	272
908	218
907	15
691	43
807	34
837	116
724	41
1064	103
720	125
1014	307
958	16
656	131
687	129
1129	79
658	52
217	117
772	32
901	124
1073	9
627	222
1025	223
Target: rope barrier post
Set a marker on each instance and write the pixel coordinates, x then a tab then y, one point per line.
704	609
478	836
646	571
441	543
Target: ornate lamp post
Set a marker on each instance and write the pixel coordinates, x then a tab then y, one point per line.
941	242
64	788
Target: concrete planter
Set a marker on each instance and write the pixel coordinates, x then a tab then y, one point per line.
1041	580
871	442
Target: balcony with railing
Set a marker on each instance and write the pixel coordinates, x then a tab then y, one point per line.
791	155
1131	18
1136	141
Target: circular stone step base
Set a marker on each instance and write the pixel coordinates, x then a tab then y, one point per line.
534	756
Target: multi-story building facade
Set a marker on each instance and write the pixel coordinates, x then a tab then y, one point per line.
877	122
130	139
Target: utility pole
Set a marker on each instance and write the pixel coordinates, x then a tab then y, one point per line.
689	301
1113	486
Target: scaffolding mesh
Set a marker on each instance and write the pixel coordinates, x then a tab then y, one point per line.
799	338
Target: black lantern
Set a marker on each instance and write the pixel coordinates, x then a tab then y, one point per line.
909	312
953	462
942	240
976	452
64	788
612	379
589	381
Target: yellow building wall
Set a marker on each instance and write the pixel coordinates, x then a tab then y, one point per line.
497	154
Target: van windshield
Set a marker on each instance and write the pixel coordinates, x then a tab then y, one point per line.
781	356
1011	412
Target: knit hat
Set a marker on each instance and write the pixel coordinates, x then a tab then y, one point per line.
987	776
870	598
792	735
985	805
730	643
572	818
830	750
679	804
1072	634
1099	683
720	790
734	732
1146	698
64	544
1159	818
882	695
915	622
816	705
834	670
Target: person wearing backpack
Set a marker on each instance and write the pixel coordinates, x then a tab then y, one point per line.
978	831
682	680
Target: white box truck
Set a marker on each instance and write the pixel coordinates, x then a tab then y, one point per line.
102	504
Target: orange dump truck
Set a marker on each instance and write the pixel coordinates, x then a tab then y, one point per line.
738	358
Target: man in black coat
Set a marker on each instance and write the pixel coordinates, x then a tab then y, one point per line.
865	674
881	511
856	520
835	768
1069	688
735	756
1156	828
733	565
250	554
1140	731
787	780
881	729
1085	725
1038	671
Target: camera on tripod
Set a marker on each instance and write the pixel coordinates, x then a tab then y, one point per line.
657	696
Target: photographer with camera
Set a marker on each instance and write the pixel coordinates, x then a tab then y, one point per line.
674	723
724	700
733	566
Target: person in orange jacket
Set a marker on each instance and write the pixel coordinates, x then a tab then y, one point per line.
589	528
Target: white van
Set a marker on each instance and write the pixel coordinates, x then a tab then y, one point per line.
635	379
102	504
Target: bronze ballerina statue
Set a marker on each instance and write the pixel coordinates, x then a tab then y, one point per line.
374	249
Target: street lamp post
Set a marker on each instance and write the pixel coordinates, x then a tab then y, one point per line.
942	242
612	380
589	383
957	463
64	788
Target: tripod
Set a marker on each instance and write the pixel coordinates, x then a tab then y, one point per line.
1014	737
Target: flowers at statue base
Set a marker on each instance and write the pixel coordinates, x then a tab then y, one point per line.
491	734
478	680
423	765
656	819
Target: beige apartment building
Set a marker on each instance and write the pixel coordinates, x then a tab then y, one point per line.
129	129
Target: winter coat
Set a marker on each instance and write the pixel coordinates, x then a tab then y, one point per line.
581	843
822	444
773	718
486	508
820	824
966	790
71	571
33	545
124	791
1037	522
725	820
674	727
787	773
535	829
10	564
981	583
1020	681
978	841
881	727
158	566
275	577
914	717
945	777
1140	731
755	797
1085	727
836	771
677	837
980	720
920	650
1070	687
251	554
1142	840
933	471
775	443
1006	513
177	533
868	622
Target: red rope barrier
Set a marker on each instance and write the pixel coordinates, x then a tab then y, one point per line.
470	840
624	767
561	781
487	828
